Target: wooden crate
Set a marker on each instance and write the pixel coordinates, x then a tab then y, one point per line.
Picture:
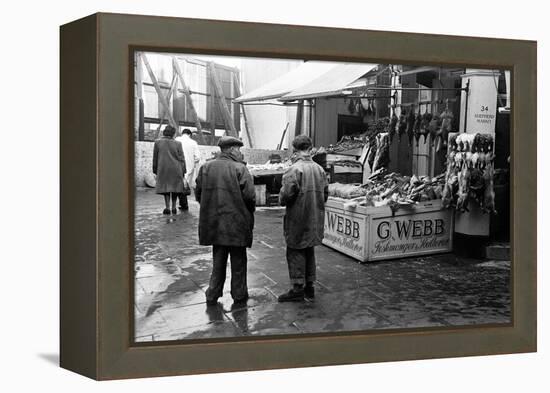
374	233
345	174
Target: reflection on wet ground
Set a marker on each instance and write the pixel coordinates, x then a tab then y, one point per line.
172	272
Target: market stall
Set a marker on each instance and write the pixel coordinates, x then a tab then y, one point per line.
390	216
268	179
385	135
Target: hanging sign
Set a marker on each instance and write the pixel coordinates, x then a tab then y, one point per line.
479	115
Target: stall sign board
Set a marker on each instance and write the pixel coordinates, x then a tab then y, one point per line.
375	233
345	231
410	233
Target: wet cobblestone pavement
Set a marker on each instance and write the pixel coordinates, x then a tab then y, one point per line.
172	272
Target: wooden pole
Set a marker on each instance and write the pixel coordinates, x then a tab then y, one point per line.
211	113
161	97
227	118
168	98
299	116
188	99
238	93
139	94
282	137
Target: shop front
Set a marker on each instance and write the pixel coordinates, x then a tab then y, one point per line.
387	138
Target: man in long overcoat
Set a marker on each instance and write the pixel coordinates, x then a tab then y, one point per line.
225	191
304	192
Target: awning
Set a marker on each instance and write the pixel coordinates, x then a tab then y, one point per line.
331	83
286	83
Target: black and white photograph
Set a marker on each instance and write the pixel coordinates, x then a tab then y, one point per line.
292	197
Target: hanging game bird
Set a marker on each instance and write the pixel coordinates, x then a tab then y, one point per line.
392	125
410	125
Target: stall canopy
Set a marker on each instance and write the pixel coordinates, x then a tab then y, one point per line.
331	83
286	83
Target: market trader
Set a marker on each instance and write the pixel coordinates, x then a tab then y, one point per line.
225	191
304	192
192	159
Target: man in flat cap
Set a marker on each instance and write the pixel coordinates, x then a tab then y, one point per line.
225	191
304	192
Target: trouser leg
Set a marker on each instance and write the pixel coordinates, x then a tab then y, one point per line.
183	201
310	269
296	260
239	289
217	278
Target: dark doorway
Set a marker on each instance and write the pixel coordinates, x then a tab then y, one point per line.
349	125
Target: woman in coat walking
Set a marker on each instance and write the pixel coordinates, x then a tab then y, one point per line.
169	167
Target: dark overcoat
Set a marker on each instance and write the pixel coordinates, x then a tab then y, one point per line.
168	165
304	192
225	191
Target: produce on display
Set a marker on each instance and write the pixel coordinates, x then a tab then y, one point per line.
378	126
346	143
348	163
280	166
470	172
389	189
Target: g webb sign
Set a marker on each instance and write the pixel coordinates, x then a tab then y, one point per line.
370	237
345	232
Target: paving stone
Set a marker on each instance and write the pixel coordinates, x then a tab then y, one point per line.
211	330
192	315
150	325
273	318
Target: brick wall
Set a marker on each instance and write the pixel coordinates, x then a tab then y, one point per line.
144	158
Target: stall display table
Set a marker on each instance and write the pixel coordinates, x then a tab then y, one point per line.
376	233
268	184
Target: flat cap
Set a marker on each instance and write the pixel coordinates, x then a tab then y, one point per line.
227	141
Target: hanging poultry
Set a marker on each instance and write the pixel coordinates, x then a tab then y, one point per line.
372	151
351	106
372	108
451	178
433	126
489	194
410	125
470	172
425	124
446	125
382	157
463	192
422	129
416	127
360	109
392	125
402	124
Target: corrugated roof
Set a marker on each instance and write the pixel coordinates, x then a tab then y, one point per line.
331	83
288	82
